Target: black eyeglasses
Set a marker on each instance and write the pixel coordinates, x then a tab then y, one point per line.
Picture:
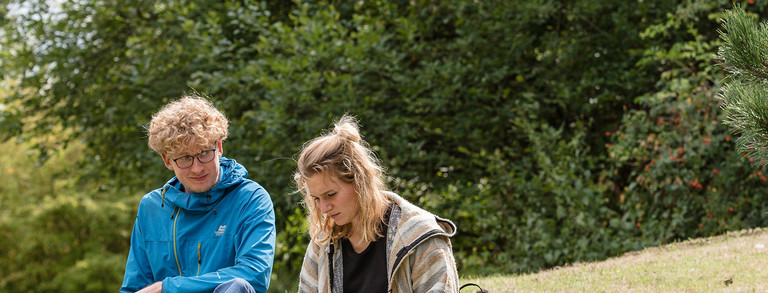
203	157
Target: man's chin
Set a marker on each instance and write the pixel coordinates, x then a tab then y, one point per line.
198	188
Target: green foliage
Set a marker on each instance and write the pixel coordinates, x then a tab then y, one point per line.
744	96
743	50
63	237
675	169
551	132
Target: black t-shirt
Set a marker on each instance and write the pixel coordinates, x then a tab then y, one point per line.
366	271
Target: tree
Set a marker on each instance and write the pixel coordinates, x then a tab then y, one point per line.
745	99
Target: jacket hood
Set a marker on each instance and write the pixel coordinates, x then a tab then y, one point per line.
231	174
413	218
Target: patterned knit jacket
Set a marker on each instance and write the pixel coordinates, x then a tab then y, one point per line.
420	256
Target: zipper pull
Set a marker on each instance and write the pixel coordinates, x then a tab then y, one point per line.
199	259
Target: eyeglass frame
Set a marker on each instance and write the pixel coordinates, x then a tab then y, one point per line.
193	158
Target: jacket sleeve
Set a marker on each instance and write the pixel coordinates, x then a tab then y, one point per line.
137	271
433	267
255	253
308	279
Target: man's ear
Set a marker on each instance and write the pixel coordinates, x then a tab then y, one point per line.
221	148
167	161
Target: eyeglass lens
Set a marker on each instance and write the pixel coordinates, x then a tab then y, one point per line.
203	157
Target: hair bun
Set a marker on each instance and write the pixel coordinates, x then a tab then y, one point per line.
347	128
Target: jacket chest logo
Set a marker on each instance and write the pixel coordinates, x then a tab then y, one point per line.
220	231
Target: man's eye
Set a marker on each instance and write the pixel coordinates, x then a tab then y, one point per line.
204	153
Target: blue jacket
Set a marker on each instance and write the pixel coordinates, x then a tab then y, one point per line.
195	241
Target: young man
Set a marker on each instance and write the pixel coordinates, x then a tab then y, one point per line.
209	228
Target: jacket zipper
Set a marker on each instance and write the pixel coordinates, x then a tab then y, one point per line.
199	259
175	254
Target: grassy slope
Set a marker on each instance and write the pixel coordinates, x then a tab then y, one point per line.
739	259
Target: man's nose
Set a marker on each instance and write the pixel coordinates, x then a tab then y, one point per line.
196	165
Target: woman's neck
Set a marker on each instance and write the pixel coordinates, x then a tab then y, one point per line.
356	239
356	233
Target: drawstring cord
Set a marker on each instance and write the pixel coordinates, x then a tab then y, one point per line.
162	199
209	200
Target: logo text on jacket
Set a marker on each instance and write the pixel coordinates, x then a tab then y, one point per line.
221	230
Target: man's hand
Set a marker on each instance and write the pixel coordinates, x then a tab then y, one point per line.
154	288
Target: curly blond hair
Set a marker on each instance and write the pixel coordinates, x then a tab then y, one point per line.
343	154
185	124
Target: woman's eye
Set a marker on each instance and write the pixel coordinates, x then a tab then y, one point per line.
331	194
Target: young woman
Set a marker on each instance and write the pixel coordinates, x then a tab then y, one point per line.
364	238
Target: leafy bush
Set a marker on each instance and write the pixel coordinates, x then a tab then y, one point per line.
674	168
63	237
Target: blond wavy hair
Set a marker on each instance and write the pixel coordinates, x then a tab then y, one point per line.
343	154
189	123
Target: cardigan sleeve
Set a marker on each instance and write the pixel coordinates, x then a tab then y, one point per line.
310	269
433	268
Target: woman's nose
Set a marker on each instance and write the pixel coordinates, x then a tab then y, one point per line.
325	205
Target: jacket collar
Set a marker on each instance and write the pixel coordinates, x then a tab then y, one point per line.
409	226
232	174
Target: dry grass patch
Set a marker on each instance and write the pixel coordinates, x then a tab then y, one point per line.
735	262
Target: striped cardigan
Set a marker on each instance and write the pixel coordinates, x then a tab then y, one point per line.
419	249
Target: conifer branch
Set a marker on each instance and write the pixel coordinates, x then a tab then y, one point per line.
745	49
745	92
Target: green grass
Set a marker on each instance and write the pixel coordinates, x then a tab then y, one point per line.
734	262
